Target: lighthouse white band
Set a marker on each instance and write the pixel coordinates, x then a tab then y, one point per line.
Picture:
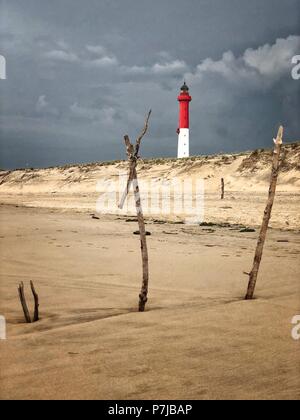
184	143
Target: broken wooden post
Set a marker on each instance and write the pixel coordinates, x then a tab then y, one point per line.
36	303
267	215
133	156
222	188
24	303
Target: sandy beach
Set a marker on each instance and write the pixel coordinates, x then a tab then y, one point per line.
198	339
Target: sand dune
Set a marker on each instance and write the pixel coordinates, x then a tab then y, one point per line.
246	178
243	172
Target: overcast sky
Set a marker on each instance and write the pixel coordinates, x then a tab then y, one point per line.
82	73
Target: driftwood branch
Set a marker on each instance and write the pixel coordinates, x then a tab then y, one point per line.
133	156
126	192
267	216
222	188
24	303
143	297
36	303
140	137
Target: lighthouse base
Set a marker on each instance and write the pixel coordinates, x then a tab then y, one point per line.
184	143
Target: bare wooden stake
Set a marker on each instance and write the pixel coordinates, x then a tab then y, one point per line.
133	156
267	215
23	303
36	303
222	188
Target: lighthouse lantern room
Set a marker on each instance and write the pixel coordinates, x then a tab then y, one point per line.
183	131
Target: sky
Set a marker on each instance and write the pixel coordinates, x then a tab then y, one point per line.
81	74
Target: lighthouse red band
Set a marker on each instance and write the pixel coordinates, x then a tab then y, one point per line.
184	100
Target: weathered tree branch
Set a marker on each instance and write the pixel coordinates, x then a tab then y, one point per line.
222	188
143	297
126	192
144	131
36	303
23	303
133	156
267	215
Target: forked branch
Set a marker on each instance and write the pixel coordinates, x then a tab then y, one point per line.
267	216
24	303
143	133
133	156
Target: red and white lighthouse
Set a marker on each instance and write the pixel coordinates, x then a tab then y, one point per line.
184	122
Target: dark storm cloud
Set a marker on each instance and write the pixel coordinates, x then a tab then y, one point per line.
81	74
